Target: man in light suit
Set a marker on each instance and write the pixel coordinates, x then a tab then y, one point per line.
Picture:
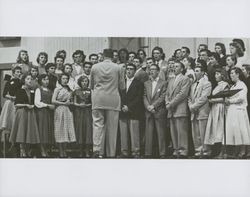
105	82
159	56
131	113
154	94
177	106
199	108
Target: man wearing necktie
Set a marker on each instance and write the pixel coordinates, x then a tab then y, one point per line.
154	95
177	106
131	112
199	108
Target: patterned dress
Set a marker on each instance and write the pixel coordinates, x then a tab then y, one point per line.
63	117
83	117
45	116
25	128
215	124
8	111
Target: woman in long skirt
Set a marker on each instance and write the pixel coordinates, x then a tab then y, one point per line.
63	117
215	124
237	120
9	93
25	130
44	112
83	116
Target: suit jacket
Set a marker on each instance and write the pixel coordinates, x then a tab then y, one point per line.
133	98
105	81
198	99
177	96
142	75
157	100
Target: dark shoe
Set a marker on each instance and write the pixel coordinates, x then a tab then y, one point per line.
148	156
182	157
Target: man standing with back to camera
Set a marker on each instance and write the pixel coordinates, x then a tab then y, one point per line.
105	81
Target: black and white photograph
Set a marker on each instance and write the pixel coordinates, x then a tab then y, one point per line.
108	98
125	97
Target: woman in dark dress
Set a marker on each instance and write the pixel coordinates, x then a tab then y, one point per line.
50	70
25	130
44	112
9	93
83	116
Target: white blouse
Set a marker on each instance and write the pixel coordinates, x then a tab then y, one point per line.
38	102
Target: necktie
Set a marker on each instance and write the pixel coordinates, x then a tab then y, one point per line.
196	86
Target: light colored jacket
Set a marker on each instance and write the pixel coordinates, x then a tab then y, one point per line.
177	96
157	99
198	99
105	81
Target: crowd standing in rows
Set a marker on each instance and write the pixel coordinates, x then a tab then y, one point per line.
121	103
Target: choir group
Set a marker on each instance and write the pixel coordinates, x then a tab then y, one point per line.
127	105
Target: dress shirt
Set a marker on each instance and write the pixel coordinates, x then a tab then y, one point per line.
128	82
154	83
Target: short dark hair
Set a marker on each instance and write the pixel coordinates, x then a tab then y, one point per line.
16	68
60	78
203	65
132	52
79	52
41	77
149	58
223	73
131	64
204	45
48	65
89	63
123	50
40	54
93	54
191	61
187	49
108	53
24	76
140	59
238	71
160	50
222	46
58	53
233	58
80	79
141	50
241	42
215	55
205	50
70	65
179	62
157	67
59	56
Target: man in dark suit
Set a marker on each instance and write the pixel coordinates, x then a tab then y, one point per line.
156	114
131	112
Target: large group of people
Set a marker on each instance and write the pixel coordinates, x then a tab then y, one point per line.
125	104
